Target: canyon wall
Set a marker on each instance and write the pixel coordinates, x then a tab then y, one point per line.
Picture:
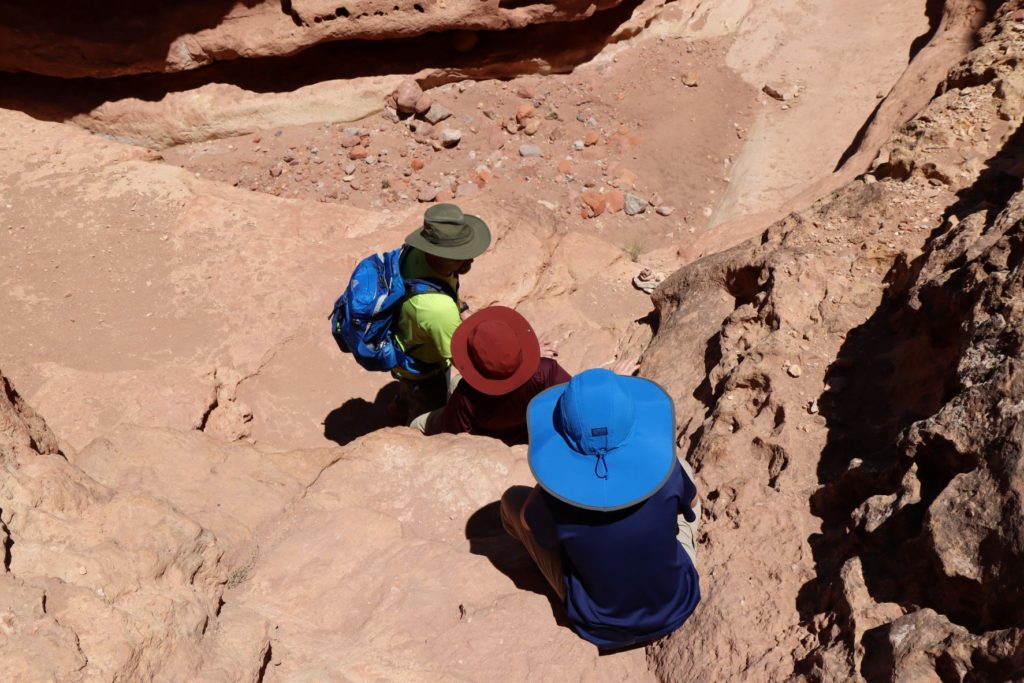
849	389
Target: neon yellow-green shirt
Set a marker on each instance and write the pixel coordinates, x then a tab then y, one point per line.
426	322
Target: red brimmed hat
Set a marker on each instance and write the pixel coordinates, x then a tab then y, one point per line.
496	350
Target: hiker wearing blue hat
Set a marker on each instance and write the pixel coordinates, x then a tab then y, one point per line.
612	523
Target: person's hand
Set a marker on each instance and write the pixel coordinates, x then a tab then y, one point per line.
625	366
548	349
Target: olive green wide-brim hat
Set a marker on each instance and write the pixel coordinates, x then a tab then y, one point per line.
449	233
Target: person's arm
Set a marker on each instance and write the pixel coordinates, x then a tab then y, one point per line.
458	414
558	375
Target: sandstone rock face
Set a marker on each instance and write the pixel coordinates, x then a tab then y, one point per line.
219	110
848	387
757	197
864	513
68	40
173	556
394	565
97	584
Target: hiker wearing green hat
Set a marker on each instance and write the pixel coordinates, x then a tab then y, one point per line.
441	249
612	522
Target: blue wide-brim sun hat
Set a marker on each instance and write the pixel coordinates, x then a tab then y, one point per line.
602	441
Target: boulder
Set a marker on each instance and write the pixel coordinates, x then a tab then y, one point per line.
407	95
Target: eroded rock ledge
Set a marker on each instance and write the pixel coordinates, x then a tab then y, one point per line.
71	39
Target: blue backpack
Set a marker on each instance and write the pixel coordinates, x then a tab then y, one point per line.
365	313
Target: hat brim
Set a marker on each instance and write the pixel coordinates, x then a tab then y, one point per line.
636	469
474	247
525	337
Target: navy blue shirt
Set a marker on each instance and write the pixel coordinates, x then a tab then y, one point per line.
627	578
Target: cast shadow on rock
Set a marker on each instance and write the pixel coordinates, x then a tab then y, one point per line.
487	537
890	372
358	417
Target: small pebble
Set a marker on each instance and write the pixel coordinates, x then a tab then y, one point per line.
450	137
794	370
437	113
634	205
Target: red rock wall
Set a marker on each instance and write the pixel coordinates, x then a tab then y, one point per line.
849	388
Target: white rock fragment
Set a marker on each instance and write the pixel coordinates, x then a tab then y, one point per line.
450	137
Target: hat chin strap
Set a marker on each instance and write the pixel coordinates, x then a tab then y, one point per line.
601	462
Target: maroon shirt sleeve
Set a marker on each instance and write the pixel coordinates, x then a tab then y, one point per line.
458	414
556	374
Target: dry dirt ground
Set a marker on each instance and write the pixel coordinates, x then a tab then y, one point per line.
168	295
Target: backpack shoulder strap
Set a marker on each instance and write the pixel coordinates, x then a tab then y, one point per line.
414	286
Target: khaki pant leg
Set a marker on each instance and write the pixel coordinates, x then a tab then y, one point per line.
419	396
454	377
549	562
688	530
429	423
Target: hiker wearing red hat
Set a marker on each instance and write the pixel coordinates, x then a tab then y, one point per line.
499	357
